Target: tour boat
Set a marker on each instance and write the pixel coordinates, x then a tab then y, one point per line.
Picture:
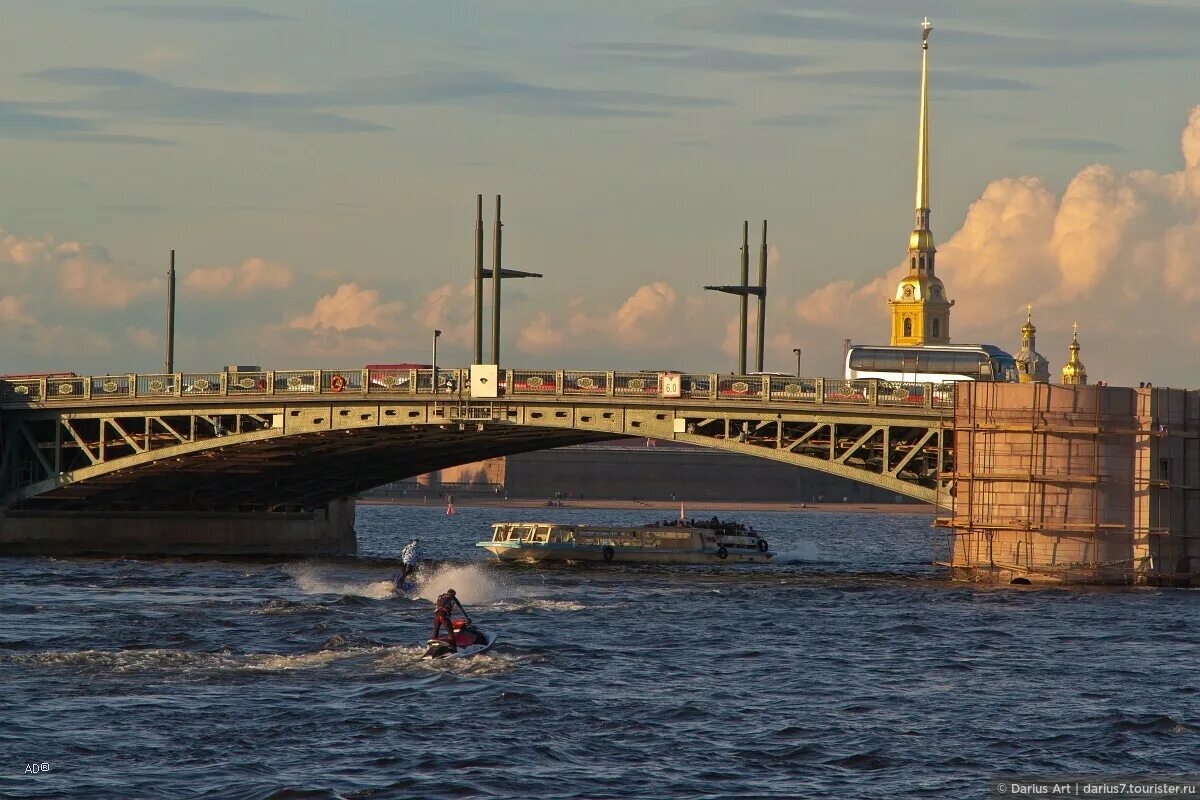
668	542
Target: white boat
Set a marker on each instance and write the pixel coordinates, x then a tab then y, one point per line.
669	542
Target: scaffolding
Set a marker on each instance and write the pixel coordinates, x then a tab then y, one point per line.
1070	484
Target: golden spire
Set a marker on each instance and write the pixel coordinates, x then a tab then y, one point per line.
922	238
1073	371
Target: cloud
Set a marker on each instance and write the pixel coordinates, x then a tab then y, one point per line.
254	275
141	338
646	320
197	13
13	310
85	275
349	308
27	121
696	57
801	120
126	94
450	309
1069	144
1114	247
943	79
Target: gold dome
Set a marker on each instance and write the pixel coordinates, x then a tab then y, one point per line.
914	288
922	241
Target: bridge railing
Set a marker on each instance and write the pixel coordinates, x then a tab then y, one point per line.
52	389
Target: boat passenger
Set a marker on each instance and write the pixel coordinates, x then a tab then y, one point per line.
443	609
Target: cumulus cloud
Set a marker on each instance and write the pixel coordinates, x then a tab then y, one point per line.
13	310
86	275
450	309
349	308
644	321
251	276
1117	251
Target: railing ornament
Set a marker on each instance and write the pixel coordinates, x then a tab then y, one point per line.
634	383
156	385
534	381
246	383
293	381
21	389
201	385
65	389
109	387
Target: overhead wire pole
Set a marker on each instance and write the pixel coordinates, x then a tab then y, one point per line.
745	299
744	290
762	299
497	276
478	359
497	273
170	361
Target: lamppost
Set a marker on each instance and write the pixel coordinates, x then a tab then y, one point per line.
796	350
436	334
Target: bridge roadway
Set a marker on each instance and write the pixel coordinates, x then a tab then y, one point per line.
298	439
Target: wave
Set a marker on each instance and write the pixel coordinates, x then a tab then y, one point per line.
471	584
313	578
797	552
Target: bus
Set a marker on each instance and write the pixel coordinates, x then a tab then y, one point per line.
931	364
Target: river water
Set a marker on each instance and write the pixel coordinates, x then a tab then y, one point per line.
848	669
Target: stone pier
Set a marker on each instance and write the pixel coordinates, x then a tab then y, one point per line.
326	531
1074	484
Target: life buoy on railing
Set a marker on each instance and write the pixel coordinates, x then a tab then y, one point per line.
337	383
762	545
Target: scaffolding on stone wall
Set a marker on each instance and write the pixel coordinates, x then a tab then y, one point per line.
1041	489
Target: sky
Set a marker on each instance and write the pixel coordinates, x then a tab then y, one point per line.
315	166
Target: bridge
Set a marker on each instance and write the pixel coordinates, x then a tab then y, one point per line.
292	441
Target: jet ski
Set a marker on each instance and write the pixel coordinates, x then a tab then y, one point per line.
471	641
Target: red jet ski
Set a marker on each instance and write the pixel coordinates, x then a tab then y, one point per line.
470	642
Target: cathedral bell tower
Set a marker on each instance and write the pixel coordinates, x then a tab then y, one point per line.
920	310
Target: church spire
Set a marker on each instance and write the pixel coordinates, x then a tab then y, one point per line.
920	309
922	206
1032	366
1073	372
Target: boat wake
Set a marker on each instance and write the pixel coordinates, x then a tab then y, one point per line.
472	583
798	552
316	578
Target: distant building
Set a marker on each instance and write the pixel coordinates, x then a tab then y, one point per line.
1032	366
920	309
1073	372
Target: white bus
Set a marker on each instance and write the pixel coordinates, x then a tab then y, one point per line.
931	364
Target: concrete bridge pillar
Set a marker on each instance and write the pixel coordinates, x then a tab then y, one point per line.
327	531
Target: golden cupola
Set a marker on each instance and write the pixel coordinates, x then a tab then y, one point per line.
920	309
1073	372
1032	366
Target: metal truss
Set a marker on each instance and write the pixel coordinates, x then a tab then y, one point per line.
272	453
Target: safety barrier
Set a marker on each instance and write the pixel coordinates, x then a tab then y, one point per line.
59	388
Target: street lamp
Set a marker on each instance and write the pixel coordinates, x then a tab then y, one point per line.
436	334
796	350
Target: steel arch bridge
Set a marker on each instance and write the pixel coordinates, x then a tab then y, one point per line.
298	439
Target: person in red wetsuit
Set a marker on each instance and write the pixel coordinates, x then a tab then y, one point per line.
443	608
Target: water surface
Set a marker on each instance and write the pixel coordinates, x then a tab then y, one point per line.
848	669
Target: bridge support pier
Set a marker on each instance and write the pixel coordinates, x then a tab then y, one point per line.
326	531
1075	484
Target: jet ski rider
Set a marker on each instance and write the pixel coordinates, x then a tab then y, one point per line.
443	608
